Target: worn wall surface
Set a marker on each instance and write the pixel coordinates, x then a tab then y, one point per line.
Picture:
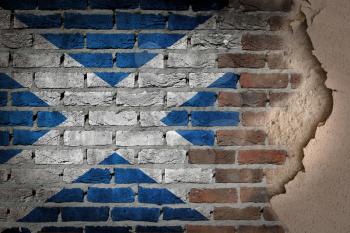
317	200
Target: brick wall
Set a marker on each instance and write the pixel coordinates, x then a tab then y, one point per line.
140	116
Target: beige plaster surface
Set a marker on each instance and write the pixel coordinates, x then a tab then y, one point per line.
317	200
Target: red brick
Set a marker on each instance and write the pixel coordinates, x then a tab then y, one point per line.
277	61
262	157
249	80
240	137
238	175
295	80
227	213
255	194
254	118
261	229
213	195
279	99
243	99
232	60
269	214
210	229
262	42
279	23
266	5
211	156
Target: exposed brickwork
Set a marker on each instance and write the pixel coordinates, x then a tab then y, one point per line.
140	116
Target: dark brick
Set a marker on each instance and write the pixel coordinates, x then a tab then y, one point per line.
263	80
214	118
208	5
210	229
65	41
238	175
110	195
131	21
158	40
135	214
62	4
228	213
277	23
61	230
239	60
3	98
40	21
266	5
269	214
240	137
16	118
105	229
88	21
184	22
18	4
154	229
84	214
255	194
295	81
95	176
213	195
254	118
182	214
42	214
93	60
114	4
27	137
211	156
277	61
110	41
243	99
261	229
262	156
68	195
4	137
165	4
262	42
279	99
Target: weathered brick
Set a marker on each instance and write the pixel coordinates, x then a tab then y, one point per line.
4	175
255	194
37	137
163	156
164	5
88	98
62	4
277	61
295	81
59	41
59	156
140	98
87	176
269	214
240	137
203	41
158	40
279	99
157	196
87	138
214	118
261	229
238	175
36	177
188	175
254	118
249	80
90	60
262	42
112	118
242	99
25	79
52	119
191	99
278	22
108	79
18	4
67	195
4	59
16	195
217	195
140	59
7	155
103	156
241	60
139	176
240	21
191	60
5	19
16	40
266	5
211	156
28	60
164	118
110	41
139	138
185	214
37	20
210	229
228	213
190	137
139	21
211	80
36	98
162	80
3	214
88	21
59	80
262	157
112	4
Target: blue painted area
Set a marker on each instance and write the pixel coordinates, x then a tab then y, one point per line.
130	176
107	229
27	137
16	230
198	137
127	21
40	21
27	98
95	176
165	4
110	41
50	119
182	214
183	22
201	99
61	230
157	196
16	118
134	60
110	195
88	21
62	4
112	78
18	4
42	214
6	82
176	118
208	5
114	159
65	41
228	80
153	229
158	40
113	4
84	214
6	155
4	139
93	60
68	195
135	214
3	98
204	118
